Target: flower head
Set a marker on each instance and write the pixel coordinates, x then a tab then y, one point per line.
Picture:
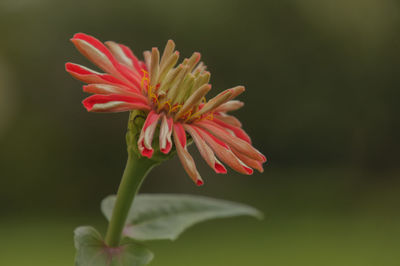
173	99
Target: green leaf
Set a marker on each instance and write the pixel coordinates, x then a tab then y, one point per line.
92	251
166	216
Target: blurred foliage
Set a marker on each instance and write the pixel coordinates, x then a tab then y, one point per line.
322	81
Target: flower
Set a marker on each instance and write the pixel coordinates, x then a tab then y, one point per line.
173	98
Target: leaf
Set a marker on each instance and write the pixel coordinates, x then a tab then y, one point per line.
92	251
166	216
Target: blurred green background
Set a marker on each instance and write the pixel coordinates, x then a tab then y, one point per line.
322	81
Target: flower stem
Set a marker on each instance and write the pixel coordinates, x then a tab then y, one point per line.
135	171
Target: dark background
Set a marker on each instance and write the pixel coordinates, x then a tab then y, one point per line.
322	81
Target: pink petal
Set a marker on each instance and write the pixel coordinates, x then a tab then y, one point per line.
95	43
229	119
184	156
112	89
237	131
236	91
90	76
230	106
165	134
134	78
147	134
113	103
248	161
224	152
98	53
213	103
235	142
136	63
180	132
205	151
118	53
193	100
126	58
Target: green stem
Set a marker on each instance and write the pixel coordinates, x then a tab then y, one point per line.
135	171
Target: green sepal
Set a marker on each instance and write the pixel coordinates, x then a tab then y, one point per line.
166	216
92	251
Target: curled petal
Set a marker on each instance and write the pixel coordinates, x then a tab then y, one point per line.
98	53
212	104
128	62
236	91
137	64
184	156
134	78
90	76
224	152
112	89
200	68
194	99
179	131
147	134
166	66
165	134
229	119
167	54
114	103
178	80
119	54
235	142
193	60
248	161
237	131
230	106
147	59
154	66
205	151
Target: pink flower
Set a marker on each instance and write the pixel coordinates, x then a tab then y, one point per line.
173	98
